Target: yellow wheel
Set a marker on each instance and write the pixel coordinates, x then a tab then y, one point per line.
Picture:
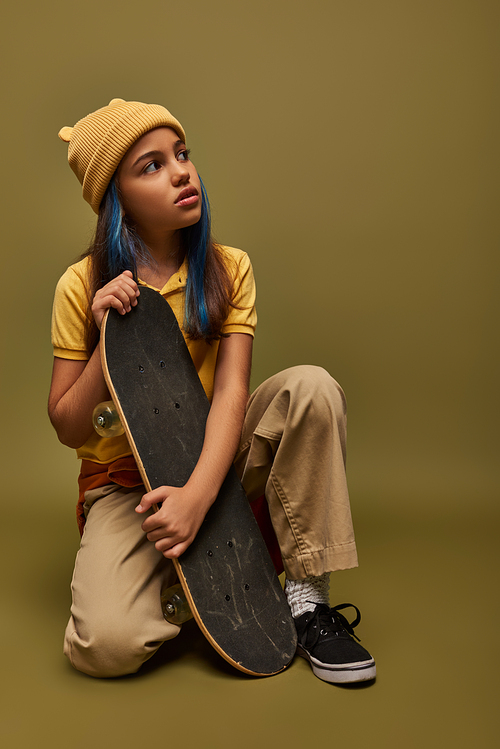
175	606
106	420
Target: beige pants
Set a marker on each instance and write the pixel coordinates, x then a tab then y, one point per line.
292	449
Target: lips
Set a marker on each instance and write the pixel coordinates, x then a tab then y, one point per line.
188	196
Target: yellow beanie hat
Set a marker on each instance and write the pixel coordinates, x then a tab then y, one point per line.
99	141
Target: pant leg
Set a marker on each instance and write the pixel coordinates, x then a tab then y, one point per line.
293	449
116	620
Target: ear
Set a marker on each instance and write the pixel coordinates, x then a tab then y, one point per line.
65	134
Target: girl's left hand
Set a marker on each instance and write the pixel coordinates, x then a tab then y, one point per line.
174	527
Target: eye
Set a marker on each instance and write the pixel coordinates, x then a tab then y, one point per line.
184	154
153	166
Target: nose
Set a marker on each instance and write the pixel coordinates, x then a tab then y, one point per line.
181	174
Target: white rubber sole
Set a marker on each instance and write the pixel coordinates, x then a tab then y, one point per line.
342	673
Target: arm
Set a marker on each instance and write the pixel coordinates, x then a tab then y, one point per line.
173	528
78	386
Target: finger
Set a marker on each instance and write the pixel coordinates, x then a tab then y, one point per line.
130	287
119	286
113	296
150	525
121	303
124	288
175	551
158	526
150	500
165	543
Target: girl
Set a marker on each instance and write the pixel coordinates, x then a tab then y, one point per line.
287	440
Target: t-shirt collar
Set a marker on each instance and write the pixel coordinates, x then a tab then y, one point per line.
176	281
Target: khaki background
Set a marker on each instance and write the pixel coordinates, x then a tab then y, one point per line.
352	149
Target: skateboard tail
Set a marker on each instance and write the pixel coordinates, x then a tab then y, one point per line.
236	664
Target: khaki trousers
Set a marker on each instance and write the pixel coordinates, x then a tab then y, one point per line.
292	449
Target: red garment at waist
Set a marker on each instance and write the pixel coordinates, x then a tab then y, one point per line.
122	471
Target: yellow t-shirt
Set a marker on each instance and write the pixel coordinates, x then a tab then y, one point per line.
70	312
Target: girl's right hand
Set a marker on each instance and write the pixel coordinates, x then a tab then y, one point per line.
120	293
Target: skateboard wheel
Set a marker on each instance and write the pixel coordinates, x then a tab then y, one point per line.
106	420
175	606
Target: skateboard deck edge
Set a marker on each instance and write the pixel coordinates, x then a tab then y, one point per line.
121	414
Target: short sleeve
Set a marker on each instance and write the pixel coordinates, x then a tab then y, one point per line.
69	315
242	317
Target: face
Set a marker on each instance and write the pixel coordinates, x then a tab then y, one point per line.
159	185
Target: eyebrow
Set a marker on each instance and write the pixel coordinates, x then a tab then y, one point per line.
150	154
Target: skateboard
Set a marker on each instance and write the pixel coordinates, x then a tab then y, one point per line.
227	576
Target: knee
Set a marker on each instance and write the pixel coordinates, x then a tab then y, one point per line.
108	651
315	385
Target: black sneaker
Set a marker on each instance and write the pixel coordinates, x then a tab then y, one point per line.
327	641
